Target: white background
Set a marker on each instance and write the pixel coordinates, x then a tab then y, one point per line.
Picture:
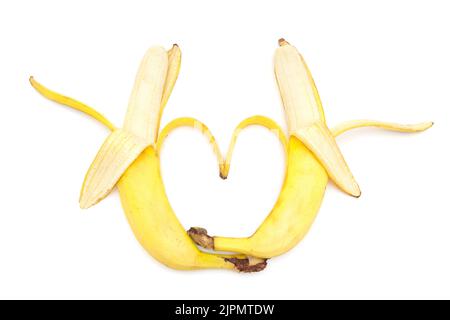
379	60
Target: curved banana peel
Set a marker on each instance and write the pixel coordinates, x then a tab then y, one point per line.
191	123
129	158
223	162
71	103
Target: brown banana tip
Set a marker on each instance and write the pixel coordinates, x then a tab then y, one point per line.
243	265
223	176
282	42
175	45
201	238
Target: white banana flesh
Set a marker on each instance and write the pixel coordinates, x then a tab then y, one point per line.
391	126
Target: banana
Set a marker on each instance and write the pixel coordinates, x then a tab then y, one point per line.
128	159
312	157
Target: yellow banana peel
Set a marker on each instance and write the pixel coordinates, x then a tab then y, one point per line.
129	159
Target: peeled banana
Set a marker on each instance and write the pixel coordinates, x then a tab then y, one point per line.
312	157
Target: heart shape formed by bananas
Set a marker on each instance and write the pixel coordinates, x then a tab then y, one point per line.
129	159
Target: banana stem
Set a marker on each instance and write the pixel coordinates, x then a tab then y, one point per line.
252	121
192	123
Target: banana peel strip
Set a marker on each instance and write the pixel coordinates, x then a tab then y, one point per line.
191	123
70	102
223	162
391	126
251	121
